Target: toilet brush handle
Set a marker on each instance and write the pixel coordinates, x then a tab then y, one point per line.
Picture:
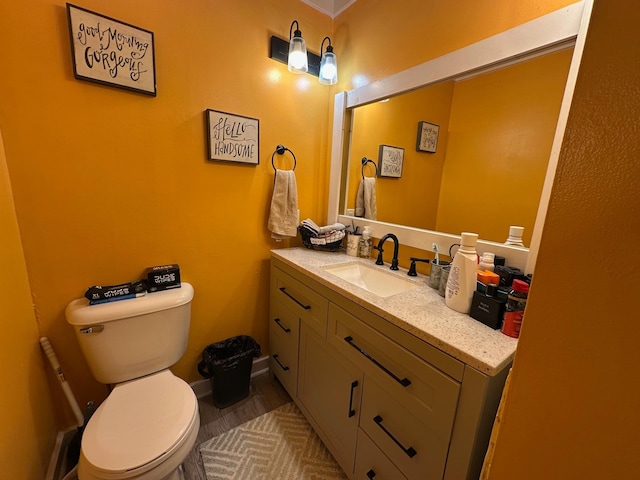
55	364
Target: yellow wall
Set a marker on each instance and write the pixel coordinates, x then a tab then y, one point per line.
500	134
26	409
108	182
376	38
572	409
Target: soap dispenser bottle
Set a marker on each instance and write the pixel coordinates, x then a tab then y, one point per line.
365	243
463	274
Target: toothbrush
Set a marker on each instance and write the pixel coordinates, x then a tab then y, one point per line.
435	251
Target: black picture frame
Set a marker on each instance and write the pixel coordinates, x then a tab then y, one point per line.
427	140
390	161
232	137
110	52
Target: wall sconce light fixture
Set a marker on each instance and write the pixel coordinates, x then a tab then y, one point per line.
282	50
297	61
328	65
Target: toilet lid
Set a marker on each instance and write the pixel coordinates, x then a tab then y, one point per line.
139	422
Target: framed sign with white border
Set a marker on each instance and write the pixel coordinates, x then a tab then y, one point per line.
390	160
110	52
233	138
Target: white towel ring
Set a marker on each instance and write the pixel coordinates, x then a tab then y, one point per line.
365	160
280	149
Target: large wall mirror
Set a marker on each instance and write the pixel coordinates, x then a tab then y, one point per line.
498	106
494	135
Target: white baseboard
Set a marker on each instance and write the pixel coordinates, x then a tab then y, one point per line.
202	388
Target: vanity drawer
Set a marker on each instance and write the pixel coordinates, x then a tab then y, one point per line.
419	387
304	302
372	464
415	445
284	330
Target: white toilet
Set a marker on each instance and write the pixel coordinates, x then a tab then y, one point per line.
148	424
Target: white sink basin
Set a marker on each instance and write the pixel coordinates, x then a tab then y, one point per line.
372	279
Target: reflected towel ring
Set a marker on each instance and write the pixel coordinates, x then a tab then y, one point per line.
365	160
280	149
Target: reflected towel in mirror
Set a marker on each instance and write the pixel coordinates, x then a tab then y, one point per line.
366	199
284	215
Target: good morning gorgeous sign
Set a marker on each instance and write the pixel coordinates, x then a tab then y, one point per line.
110	52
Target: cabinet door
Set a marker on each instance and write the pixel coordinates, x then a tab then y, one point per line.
330	388
283	346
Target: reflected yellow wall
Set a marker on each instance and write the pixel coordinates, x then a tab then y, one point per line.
500	135
26	409
382	38
411	199
496	132
108	182
572	408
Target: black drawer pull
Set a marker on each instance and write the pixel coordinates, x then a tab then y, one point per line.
306	307
405	382
352	412
409	451
275	357
371	474
286	330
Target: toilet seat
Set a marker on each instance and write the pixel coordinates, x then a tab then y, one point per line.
140	425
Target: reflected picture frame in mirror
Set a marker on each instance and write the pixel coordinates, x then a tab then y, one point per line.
427	140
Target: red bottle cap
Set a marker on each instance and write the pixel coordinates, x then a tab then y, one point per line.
520	286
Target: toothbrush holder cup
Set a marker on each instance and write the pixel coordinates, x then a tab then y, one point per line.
444	276
435	274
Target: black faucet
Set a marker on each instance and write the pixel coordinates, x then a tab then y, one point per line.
396	246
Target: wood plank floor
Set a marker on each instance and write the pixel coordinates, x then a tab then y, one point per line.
265	395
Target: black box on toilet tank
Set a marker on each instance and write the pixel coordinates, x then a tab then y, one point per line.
163	277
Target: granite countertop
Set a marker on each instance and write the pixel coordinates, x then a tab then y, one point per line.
420	311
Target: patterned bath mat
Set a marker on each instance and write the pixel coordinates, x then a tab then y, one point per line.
278	445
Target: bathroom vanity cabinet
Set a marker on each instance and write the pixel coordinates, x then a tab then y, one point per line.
386	403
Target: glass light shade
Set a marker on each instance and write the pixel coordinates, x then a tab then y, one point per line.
328	69
298	62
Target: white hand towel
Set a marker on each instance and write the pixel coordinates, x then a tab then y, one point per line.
333	226
284	215
366	199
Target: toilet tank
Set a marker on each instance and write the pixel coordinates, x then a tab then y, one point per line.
130	338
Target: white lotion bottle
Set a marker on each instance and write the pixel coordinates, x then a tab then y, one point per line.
463	275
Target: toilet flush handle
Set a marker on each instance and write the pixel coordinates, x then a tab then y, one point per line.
92	329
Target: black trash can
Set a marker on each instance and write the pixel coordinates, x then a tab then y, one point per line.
228	365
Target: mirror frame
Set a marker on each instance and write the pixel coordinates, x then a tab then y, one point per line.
557	30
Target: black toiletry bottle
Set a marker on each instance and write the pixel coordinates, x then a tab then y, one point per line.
487	308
